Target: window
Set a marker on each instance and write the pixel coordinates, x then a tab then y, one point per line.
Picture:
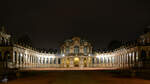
76	49
67	50
85	50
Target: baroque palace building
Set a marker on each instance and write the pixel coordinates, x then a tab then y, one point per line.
75	52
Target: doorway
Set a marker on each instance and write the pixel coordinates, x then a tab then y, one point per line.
76	62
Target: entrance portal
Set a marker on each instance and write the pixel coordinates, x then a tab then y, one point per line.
76	62
68	62
85	62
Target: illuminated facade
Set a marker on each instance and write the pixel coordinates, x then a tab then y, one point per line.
75	52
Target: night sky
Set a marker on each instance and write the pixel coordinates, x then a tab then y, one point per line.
49	22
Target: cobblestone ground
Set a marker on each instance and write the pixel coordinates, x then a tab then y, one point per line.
77	78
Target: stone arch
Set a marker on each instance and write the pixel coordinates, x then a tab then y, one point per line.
30	59
43	60
19	58
59	61
15	57
7	56
47	61
129	57
51	60
54	60
93	61
105	60
109	60
40	60
23	58
101	60
143	55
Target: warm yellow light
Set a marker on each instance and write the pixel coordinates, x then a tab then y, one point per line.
76	59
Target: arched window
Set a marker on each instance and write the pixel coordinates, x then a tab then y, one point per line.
92	60
59	61
76	49
67	50
85	50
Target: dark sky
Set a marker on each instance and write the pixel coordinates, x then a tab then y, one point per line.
48	22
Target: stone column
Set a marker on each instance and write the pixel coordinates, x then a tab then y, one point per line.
113	61
94	61
122	60
14	58
64	62
30	59
53	61
117	60
127	60
130	59
57	62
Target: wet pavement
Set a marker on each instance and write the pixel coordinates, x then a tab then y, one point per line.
77	77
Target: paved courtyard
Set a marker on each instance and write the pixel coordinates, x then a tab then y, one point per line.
77	77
